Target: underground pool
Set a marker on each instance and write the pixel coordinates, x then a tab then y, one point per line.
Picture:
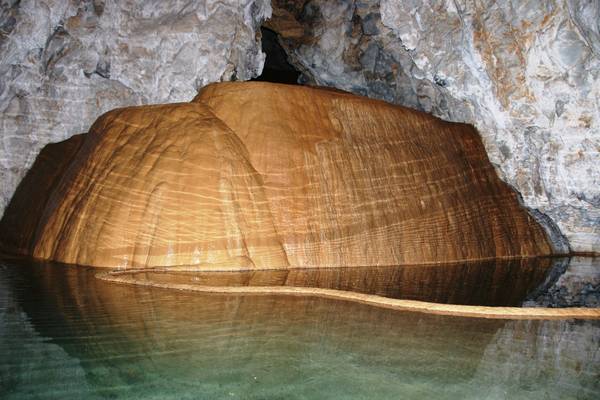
67	334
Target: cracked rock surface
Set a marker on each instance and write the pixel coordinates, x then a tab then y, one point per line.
526	74
63	63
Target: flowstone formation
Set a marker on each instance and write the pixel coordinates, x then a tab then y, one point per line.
64	63
526	74
257	175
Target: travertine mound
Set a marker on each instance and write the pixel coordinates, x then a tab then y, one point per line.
161	185
256	175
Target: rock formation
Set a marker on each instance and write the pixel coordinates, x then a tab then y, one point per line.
64	63
160	185
257	175
526	74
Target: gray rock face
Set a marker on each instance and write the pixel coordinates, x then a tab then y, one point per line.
63	63
526	74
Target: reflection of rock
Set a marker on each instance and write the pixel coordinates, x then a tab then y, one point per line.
577	286
132	339
527	74
486	283
541	360
297	177
140	342
63	63
29	361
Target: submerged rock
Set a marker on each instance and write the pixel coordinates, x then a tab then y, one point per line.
526	74
64	63
256	175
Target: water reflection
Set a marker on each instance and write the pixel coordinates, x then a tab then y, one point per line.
572	284
519	347
487	283
65	334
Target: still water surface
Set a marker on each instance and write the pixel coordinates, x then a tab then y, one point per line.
66	335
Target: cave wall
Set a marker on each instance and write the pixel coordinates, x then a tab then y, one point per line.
63	63
526	74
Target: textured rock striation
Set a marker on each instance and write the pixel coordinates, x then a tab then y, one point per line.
159	185
526	74
257	175
64	63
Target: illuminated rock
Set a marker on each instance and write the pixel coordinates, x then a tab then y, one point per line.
255	175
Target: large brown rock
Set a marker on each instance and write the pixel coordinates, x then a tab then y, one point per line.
256	175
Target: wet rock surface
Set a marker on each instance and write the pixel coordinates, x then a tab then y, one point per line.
527	75
63	63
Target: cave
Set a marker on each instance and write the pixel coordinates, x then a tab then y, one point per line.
299	199
276	68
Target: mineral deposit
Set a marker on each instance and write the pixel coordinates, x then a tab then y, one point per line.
256	175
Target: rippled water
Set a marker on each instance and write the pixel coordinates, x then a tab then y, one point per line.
65	334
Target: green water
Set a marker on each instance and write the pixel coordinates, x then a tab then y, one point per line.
66	335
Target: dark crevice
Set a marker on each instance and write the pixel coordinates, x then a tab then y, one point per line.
277	68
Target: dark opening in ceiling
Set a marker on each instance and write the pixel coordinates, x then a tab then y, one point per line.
277	68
